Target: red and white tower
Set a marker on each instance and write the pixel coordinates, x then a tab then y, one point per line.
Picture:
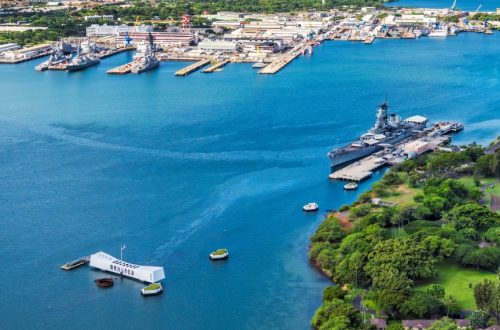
186	23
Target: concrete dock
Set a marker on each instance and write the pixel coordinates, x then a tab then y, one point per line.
281	62
360	170
76	263
216	66
122	69
193	67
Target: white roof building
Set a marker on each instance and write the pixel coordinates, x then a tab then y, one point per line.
107	263
416	120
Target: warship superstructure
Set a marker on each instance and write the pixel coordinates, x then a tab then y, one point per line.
387	131
145	59
56	57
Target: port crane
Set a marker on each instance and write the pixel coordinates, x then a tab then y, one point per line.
454	5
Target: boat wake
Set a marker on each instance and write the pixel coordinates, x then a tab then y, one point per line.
65	135
266	182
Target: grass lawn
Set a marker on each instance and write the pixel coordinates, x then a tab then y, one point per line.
469	181
455	280
403	194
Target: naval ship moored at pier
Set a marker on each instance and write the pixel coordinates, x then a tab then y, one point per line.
387	131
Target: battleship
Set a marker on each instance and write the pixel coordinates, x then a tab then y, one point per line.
387	131
57	57
82	61
145	59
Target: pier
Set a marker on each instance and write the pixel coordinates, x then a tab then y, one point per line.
122	69
76	263
364	168
360	170
281	62
193	67
216	66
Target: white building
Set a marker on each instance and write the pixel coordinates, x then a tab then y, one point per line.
107	263
218	45
96	30
9	47
97	17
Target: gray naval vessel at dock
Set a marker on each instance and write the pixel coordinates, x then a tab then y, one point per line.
145	59
387	131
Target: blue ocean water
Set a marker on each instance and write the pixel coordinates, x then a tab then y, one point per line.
177	167
469	5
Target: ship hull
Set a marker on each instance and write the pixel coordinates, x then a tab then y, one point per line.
72	68
150	67
341	159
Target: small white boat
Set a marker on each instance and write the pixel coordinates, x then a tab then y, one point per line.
310	207
152	289
351	186
219	254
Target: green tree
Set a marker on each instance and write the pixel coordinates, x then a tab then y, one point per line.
487	297
472	215
478	320
495	164
436	290
444	324
333	292
337	313
420	305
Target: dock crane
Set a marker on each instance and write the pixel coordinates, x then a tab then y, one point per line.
454	5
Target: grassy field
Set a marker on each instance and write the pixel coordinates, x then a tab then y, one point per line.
403	194
456	280
469	181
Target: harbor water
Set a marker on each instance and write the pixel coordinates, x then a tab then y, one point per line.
466	5
176	167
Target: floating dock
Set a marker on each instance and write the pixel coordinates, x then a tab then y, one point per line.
122	69
76	263
215	66
193	67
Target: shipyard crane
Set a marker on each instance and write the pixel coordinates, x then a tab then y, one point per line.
127	39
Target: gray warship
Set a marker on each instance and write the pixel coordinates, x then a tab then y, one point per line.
387	131
145	59
56	57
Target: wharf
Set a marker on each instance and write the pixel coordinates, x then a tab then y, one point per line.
193	67
122	69
364	168
76	263
21	60
215	66
369	40
276	66
114	52
360	170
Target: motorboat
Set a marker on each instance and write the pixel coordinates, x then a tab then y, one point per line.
310	207
351	186
105	282
152	290
219	254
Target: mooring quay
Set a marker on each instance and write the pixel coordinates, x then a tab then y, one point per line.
365	167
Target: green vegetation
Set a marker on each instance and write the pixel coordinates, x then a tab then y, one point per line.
424	253
152	286
458	281
219	252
